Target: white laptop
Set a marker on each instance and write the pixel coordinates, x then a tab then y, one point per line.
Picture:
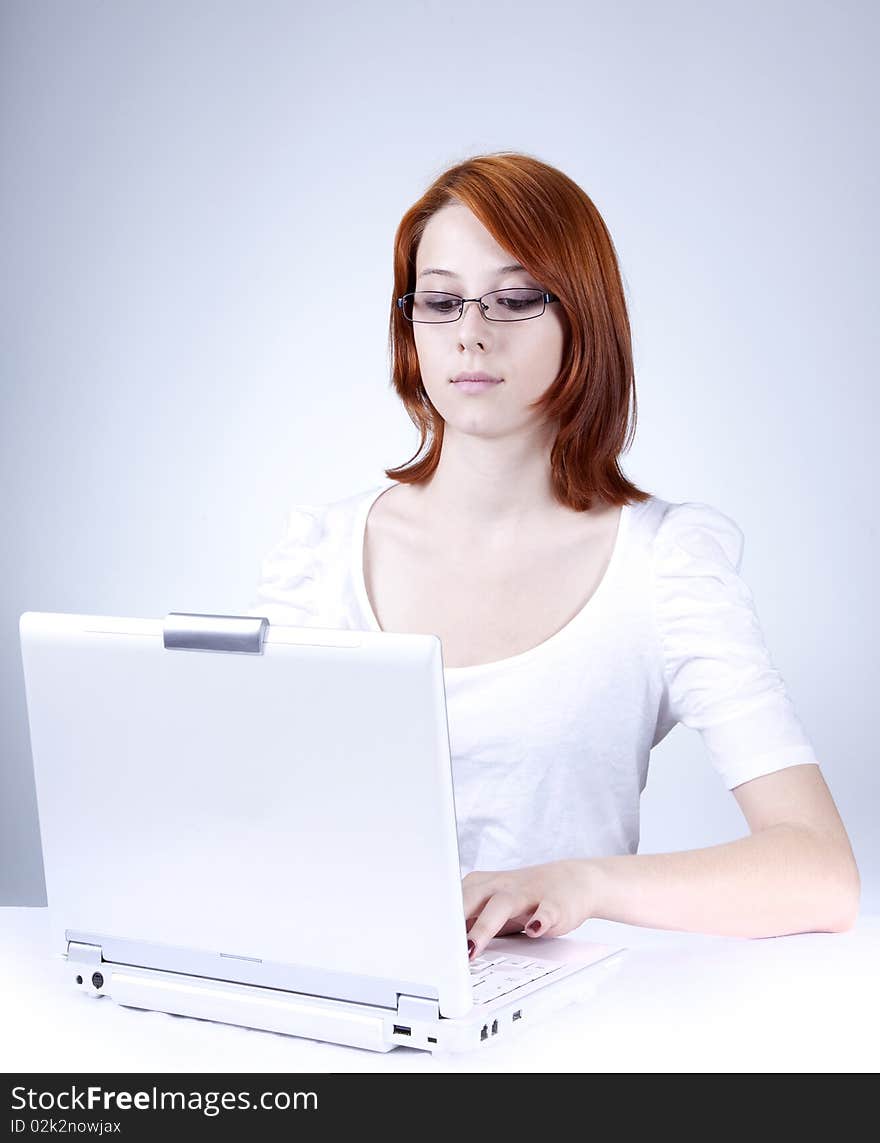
255	824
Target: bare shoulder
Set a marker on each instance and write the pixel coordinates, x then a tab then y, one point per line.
594	526
394	512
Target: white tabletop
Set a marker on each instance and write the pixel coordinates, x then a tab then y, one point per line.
680	1002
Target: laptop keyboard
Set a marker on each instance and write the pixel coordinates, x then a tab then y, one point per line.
492	976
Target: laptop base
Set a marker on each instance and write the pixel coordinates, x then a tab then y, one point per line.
374	1028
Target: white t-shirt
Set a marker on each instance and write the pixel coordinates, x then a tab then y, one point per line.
550	747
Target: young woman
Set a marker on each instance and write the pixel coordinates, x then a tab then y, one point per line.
580	617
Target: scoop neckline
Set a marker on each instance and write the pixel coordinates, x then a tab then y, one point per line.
587	611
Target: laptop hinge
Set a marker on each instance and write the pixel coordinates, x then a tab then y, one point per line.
412	1009
84	954
189	631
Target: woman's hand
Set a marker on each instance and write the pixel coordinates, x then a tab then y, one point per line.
544	900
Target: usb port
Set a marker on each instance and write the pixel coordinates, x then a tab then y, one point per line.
402	1031
517	1015
484	1035
494	1027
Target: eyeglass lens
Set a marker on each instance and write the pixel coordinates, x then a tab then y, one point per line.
500	305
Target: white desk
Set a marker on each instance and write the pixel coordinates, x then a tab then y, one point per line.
680	1002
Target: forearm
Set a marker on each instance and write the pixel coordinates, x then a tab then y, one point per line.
783	879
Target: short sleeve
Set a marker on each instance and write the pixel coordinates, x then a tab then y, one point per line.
718	671
290	573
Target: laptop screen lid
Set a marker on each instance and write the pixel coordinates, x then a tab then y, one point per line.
279	815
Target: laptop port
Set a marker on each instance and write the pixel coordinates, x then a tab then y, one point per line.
484	1035
402	1031
518	1015
494	1027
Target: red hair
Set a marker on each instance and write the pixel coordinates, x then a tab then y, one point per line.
551	226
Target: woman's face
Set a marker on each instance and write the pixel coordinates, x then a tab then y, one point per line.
526	354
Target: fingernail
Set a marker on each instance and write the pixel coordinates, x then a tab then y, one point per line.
534	926
471	947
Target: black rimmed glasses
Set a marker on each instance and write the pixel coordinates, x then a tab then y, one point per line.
517	304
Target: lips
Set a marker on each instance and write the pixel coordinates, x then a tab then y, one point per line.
476	377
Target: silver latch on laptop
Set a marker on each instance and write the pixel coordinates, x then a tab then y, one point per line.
189	631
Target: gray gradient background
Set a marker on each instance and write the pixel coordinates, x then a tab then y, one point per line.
185	184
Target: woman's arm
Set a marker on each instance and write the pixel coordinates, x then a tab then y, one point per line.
795	873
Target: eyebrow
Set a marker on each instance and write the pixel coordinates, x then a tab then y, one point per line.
452	274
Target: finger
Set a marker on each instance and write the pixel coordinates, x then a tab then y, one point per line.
475	896
511	927
500	907
542	920
479	885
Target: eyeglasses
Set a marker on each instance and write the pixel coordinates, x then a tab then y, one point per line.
500	305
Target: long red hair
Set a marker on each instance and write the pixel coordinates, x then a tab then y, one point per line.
550	225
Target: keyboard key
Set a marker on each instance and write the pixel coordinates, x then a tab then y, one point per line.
482	991
495	976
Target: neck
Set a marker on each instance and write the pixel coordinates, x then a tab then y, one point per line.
490	488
